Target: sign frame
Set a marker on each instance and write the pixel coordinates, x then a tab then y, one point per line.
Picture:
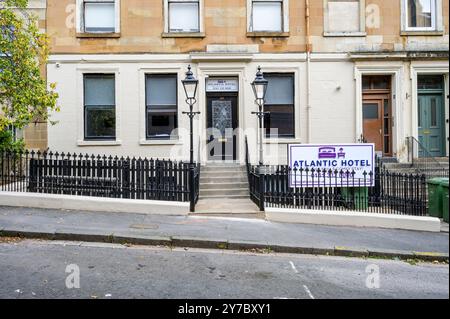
230	84
326	155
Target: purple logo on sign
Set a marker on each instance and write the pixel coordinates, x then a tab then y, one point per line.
327	152
330	152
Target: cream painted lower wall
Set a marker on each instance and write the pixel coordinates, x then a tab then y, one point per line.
333	114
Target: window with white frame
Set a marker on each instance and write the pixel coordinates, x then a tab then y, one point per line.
268	15
344	16
99	107
161	105
183	16
280	105
420	15
98	16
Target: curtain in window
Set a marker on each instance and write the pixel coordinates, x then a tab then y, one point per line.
184	16
99	17
267	16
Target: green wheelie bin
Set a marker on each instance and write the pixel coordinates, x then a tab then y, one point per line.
444	185
357	196
435	197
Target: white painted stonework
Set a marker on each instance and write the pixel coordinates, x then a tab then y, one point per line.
334	114
94	204
355	219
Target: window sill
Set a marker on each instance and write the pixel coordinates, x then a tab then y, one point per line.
173	141
282	141
264	34
97	35
183	35
422	33
99	143
344	34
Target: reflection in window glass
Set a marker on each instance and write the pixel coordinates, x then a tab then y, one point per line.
99	106
161	105
280	104
421	13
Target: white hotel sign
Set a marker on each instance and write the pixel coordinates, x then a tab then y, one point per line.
317	165
222	85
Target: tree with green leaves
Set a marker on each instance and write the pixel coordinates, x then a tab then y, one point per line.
25	96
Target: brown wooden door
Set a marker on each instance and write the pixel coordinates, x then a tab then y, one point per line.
373	123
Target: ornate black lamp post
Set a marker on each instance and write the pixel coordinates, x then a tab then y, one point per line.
190	84
259	86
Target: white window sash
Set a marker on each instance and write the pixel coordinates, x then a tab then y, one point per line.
433	17
167	26
80	15
271	27
284	16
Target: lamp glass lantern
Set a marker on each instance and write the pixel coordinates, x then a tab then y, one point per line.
259	86
190	84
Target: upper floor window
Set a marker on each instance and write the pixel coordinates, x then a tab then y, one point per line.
268	15
421	14
183	16
344	17
98	16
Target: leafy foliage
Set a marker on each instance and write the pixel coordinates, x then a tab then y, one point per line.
7	142
24	95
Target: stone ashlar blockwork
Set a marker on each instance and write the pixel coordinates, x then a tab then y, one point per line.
35	134
225	22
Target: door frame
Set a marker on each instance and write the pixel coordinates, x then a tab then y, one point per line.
439	92
379	97
417	68
205	71
396	72
236	138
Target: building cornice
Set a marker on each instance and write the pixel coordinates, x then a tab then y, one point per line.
402	56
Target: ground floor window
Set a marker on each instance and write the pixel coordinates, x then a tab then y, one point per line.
161	105
280	98
99	107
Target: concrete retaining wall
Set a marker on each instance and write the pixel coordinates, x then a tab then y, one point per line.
93	203
358	219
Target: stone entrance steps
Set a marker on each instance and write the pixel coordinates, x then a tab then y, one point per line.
224	192
224	181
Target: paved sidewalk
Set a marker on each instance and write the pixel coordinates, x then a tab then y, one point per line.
213	232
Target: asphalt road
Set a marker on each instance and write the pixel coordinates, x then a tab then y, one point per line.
37	269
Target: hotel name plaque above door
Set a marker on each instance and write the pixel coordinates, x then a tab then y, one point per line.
222	85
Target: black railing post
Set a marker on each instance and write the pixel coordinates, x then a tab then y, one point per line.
261	189
126	178
191	187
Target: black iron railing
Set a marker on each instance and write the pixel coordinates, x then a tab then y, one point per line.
422	161
386	192
99	176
